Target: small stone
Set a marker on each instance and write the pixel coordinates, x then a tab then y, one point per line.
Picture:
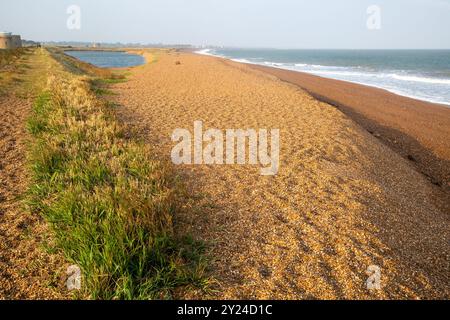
265	272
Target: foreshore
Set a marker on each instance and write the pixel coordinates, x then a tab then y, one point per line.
342	213
417	130
341	202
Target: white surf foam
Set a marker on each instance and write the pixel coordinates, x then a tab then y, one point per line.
387	81
421	79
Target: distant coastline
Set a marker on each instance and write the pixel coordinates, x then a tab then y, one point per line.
400	82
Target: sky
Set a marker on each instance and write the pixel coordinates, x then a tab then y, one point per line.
401	24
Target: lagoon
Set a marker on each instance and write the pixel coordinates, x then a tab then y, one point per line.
108	59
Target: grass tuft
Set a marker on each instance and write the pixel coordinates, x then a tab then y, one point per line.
110	204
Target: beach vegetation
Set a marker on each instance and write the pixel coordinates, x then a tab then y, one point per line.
109	202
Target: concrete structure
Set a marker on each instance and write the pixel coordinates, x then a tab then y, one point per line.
17	41
9	41
5	40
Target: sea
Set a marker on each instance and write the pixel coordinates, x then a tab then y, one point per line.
108	59
419	74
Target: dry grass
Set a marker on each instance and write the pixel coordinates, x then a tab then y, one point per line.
7	57
12	67
110	204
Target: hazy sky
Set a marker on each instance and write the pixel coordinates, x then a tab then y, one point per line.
244	23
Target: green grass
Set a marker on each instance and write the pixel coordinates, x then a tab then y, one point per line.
110	204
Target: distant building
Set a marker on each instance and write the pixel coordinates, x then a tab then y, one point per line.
10	41
5	40
17	41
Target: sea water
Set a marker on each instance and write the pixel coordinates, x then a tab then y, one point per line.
108	59
419	74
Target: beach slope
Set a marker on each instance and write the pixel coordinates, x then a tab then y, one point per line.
418	130
341	202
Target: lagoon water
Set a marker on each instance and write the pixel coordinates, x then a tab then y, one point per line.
420	74
108	59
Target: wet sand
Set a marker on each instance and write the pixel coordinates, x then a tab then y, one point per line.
342	201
